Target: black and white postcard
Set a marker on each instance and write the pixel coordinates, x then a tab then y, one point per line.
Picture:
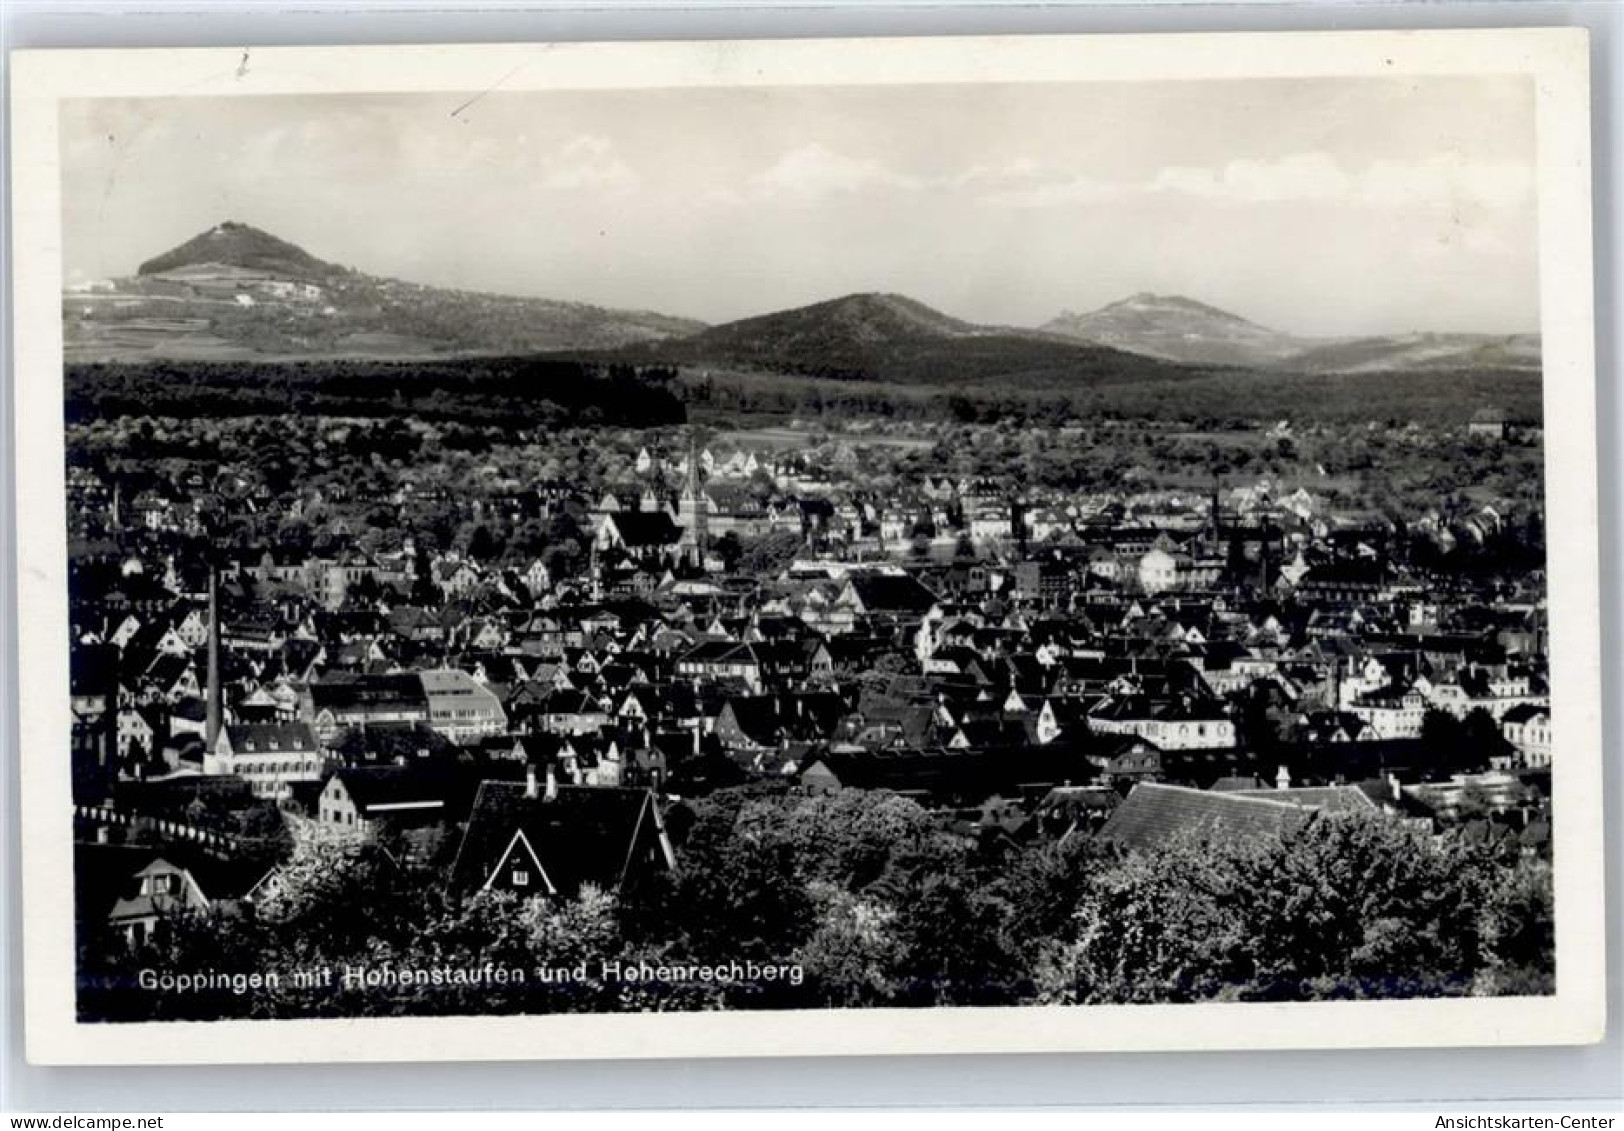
807	547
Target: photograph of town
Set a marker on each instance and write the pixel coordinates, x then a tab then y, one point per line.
806	547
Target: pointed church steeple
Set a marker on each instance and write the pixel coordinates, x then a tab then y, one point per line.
692	508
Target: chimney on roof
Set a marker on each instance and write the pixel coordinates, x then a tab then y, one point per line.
1394	787
552	784
530	789
1282	778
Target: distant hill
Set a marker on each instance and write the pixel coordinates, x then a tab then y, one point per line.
237	245
1180	329
842	323
894	339
237	293
1177	329
1420	351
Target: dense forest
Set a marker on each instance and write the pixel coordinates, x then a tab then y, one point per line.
1223	397
515	392
557	390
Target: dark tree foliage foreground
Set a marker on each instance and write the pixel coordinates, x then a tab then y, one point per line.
879	905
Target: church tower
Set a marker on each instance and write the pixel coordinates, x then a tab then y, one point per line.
692	508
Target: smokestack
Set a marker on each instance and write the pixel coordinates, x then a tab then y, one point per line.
211	724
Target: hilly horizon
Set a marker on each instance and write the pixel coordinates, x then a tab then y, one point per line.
230	244
1175	328
235	292
889	338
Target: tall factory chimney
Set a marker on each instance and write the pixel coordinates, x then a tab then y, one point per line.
211	724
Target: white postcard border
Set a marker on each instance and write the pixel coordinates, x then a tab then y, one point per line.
1555	58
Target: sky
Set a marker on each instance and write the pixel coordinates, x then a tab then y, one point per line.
1321	207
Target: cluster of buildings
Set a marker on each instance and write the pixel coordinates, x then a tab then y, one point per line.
1240	661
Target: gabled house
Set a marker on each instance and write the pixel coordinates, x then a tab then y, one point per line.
1154	814
134	892
269	756
550	840
358	800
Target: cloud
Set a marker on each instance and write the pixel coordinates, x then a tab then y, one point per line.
1058	191
1449	178
1444	180
814	172
588	162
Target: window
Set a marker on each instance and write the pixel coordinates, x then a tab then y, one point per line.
521	878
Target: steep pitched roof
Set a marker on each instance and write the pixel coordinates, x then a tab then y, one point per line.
586	834
888	593
370	690
1154	814
270	738
1332	798
373	786
646	528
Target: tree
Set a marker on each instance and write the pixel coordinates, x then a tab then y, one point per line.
952	943
1481	740
483	546
1162	926
738	895
846	837
851	958
332	899
1518	928
1043	887
1346	905
729	549
1443	740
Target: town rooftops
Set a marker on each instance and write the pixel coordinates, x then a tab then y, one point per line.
576	834
1523	713
891	593
1154	814
1330	798
645	528
270	738
374	788
374	691
107	883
